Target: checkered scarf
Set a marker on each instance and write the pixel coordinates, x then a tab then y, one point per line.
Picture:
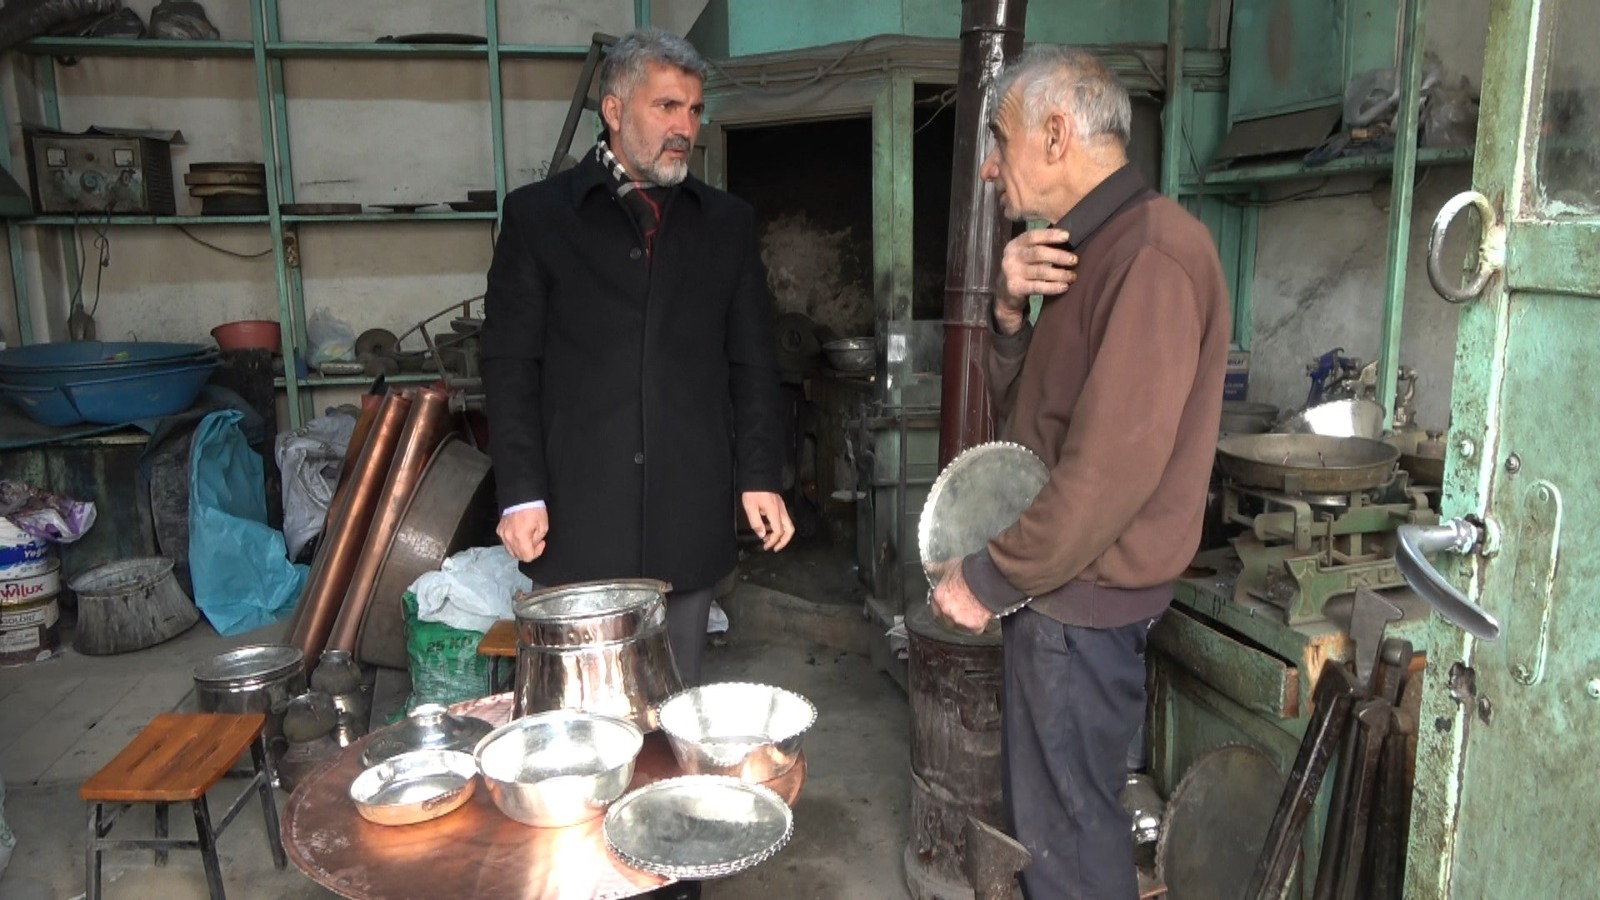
645	200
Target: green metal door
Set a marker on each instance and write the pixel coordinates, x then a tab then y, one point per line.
1506	764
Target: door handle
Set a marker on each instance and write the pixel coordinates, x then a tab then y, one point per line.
1456	536
1491	255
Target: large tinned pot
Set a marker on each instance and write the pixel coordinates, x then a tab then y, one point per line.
261	678
600	647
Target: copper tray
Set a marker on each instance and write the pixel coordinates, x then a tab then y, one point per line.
473	852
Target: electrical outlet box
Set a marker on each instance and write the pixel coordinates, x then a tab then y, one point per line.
102	174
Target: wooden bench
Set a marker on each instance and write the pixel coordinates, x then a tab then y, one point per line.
499	643
176	759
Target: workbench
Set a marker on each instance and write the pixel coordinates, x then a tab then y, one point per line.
475	851
1225	671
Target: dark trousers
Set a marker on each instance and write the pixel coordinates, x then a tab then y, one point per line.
1072	701
688	613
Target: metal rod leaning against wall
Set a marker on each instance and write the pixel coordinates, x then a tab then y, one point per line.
991	36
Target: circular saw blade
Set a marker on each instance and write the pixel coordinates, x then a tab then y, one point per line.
979	494
1216	823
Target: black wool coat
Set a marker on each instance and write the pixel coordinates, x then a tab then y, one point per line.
636	397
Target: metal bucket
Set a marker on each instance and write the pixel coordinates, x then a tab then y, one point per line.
600	647
258	678
955	682
28	631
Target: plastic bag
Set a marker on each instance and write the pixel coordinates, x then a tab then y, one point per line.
1373	96
310	458
330	337
445	665
24	19
472	590
1450	117
44	515
239	566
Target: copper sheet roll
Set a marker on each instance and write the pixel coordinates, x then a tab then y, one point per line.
425	429
349	518
352	451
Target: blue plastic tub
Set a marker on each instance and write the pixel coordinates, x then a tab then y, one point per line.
45	405
63	363
128	398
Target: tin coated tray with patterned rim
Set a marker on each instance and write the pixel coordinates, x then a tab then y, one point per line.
698	826
983	491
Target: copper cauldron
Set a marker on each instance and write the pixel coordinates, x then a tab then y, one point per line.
598	646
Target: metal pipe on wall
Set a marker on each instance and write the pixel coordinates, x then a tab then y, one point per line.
425	428
349	518
991	36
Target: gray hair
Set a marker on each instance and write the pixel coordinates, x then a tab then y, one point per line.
624	66
1073	81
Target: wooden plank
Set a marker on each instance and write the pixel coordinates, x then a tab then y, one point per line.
176	758
500	640
149	697
32	701
57	728
1254	678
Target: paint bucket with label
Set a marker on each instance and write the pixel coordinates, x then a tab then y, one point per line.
28	631
21	553
41	582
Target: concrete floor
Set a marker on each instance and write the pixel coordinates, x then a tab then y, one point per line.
62	719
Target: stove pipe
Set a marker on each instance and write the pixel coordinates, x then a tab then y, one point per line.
991	36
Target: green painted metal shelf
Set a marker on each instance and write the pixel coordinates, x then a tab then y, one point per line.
1370	164
115	47
56	46
397	217
92	219
353	380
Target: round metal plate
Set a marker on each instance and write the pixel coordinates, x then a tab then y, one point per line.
1216	824
698	826
980	494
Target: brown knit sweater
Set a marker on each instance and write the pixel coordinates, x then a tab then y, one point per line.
1118	388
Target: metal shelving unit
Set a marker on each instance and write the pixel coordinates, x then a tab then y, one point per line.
267	51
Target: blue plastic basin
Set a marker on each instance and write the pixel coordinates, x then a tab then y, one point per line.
63	363
149	395
45	405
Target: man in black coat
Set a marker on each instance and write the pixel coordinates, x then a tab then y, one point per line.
629	359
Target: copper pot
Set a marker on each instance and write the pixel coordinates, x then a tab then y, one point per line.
600	647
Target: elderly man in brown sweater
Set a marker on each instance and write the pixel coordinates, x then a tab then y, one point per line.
1118	387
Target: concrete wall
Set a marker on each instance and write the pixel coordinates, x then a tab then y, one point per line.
1320	264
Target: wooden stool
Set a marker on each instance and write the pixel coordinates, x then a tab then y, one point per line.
499	643
176	759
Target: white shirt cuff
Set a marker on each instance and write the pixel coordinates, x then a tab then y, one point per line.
532	504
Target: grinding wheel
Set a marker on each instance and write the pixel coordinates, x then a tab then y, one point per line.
1216	824
376	342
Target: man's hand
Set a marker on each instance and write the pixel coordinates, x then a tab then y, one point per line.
769	518
1031	264
954	600
523	532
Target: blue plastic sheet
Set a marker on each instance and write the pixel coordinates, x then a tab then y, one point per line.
240	568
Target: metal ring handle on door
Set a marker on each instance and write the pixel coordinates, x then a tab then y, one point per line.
1491	248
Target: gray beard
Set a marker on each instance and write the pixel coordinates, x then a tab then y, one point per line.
654	169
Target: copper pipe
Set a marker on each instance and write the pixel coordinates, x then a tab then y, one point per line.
425	428
349	517
991	35
352	451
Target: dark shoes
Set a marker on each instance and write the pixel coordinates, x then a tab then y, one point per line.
682	890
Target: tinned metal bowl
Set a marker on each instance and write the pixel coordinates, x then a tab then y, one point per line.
560	768
748	731
857	354
414	787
